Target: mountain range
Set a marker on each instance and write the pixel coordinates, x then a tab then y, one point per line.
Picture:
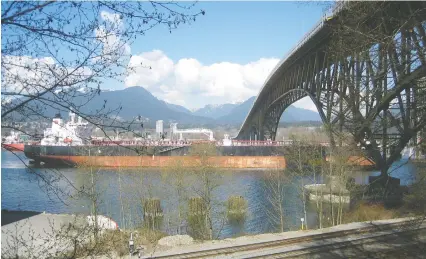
137	101
216	111
291	114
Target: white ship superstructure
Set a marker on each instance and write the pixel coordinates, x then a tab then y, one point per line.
13	138
75	132
175	131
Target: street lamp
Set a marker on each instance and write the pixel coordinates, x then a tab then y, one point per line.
131	245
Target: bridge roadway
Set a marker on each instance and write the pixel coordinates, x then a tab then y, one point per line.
363	65
398	238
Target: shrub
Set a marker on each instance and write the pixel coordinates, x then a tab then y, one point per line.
367	212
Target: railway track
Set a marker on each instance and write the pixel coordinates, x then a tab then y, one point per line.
249	250
355	243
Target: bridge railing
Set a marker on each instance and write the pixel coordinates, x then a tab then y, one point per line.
337	8
332	11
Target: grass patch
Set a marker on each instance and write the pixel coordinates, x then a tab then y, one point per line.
364	211
415	198
115	243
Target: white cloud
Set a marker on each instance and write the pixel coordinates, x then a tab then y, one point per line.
108	34
258	71
111	42
162	68
27	75
192	84
306	103
175	97
187	71
111	17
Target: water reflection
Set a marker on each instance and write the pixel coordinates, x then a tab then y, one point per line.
121	195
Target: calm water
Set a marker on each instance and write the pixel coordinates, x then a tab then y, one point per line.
123	191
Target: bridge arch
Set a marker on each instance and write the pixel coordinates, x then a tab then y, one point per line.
275	110
369	89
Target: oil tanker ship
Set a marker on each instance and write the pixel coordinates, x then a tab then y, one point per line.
12	142
70	144
16	141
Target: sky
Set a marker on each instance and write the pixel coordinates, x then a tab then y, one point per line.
238	32
226	55
223	57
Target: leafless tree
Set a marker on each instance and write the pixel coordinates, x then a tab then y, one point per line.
276	183
57	55
339	170
206	182
301	160
175	175
379	97
321	172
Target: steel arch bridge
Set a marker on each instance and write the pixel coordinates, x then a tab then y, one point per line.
366	76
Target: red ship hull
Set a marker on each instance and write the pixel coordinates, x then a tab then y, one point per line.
166	161
19	147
